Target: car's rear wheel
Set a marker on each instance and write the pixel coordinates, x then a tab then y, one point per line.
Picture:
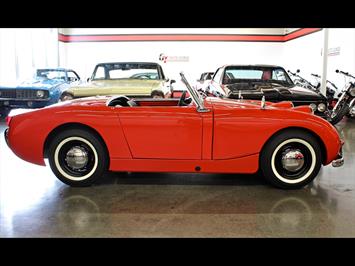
77	157
291	159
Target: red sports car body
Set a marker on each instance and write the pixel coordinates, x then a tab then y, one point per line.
82	138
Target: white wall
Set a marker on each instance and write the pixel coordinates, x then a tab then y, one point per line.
305	53
203	56
23	50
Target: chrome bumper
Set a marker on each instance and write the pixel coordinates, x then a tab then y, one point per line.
339	161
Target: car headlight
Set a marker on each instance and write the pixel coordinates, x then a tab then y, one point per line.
352	92
313	106
321	107
40	94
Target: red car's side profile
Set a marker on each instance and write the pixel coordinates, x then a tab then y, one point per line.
83	138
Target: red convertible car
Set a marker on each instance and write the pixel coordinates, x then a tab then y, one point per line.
83	138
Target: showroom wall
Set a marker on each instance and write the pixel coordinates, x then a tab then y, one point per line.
305	53
193	57
24	50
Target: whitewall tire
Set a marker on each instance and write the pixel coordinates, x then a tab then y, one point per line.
291	159
77	157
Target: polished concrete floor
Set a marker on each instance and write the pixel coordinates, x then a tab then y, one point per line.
33	203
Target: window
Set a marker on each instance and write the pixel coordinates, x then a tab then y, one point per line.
279	74
244	73
217	77
72	76
100	73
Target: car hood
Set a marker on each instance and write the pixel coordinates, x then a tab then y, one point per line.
230	103
35	85
276	93
120	84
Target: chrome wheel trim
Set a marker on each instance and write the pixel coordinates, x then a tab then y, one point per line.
306	175
292	160
59	167
77	157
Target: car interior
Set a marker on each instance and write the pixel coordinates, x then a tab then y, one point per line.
124	101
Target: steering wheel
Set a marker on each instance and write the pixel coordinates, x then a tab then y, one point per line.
182	99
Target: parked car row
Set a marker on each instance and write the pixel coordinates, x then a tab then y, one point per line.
140	79
46	88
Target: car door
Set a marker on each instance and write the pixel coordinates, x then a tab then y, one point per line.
162	132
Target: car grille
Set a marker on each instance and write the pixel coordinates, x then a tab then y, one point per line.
19	94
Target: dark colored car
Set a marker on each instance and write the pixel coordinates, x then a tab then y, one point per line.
44	89
255	81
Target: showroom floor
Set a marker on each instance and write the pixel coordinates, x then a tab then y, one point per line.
34	204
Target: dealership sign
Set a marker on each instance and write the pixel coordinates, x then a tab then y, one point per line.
171	58
334	51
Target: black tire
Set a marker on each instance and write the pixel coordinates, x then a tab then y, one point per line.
298	143
84	142
66	97
157	94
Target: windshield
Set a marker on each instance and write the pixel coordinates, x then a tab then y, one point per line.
196	96
127	71
43	74
234	75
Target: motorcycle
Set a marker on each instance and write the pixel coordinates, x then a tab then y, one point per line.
346	101
330	90
302	82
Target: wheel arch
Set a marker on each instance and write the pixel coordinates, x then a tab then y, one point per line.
156	91
312	133
72	125
62	93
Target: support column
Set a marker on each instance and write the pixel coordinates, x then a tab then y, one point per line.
325	62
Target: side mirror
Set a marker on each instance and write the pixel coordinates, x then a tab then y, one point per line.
172	81
298	71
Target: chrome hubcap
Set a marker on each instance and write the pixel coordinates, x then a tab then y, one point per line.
292	160
77	158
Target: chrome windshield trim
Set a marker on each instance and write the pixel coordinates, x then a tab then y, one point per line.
194	94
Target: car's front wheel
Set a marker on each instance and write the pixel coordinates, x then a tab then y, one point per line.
291	159
77	157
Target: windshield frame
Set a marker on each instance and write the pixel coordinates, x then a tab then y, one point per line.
196	96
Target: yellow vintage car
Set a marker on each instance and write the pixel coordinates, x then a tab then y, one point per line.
139	79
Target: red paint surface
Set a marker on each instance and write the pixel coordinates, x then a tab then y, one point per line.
227	139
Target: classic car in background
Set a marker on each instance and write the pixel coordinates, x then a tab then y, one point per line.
44	89
203	81
125	78
82	138
255	81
